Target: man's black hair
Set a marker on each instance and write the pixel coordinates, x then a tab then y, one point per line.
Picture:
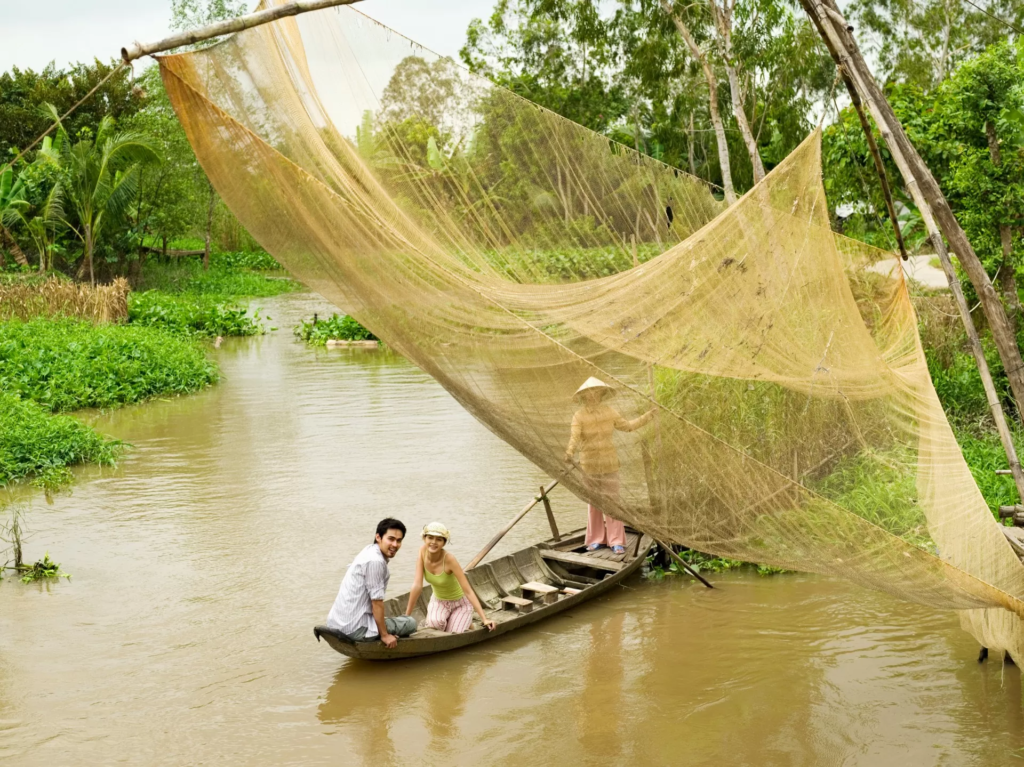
389	524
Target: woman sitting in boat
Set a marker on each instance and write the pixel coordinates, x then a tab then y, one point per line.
593	427
453	601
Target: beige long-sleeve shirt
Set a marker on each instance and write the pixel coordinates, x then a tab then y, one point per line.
592	430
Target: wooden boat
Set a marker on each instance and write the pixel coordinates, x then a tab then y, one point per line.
516	590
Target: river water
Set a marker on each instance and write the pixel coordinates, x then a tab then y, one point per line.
201	564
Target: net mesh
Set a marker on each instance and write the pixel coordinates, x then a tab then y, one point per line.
513	254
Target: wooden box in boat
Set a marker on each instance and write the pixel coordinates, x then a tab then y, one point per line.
564	564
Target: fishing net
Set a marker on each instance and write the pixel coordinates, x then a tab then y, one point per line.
512	254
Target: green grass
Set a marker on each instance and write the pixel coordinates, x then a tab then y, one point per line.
67	364
342	328
38	445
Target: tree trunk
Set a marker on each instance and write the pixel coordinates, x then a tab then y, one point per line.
1008	269
843	47
209	227
741	119
723	23
689	147
88	255
716	117
16	251
164	246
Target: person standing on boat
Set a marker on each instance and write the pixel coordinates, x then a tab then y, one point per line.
593	427
358	611
453	599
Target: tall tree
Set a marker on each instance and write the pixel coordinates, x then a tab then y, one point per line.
556	53
23	94
920	42
703	56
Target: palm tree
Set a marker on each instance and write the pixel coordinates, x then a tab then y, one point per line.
101	181
12	211
49	214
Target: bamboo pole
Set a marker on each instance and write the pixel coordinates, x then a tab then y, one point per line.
682	563
861	84
501	534
137	50
551	515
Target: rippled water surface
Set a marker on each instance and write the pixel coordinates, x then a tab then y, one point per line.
201	564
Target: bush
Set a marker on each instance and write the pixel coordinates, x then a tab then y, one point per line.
69	364
188	313
35	443
343	328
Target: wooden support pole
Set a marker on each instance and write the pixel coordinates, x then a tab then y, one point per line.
682	563
550	513
501	534
137	50
860	82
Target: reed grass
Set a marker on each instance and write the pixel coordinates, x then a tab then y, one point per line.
56	297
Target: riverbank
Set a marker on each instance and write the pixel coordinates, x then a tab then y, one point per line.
58	364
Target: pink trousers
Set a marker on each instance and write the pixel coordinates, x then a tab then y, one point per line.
600	527
452	615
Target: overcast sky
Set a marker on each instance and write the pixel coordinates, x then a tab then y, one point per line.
36	32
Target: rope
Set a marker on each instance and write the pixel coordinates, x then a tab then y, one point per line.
992	16
64	116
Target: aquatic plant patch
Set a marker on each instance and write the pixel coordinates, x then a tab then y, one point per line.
37	444
69	364
221	281
317	332
192	314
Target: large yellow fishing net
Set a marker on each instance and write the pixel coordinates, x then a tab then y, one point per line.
513	254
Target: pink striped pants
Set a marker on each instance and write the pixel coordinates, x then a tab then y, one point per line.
600	527
451	615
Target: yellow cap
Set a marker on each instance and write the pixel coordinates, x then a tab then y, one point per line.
437	529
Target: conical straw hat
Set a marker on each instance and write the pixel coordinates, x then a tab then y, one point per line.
594	383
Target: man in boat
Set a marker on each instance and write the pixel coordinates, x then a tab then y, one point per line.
358	611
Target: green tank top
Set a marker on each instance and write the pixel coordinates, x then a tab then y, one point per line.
445	585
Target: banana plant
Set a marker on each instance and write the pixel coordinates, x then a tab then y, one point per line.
13	206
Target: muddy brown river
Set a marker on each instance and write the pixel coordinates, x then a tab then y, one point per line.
201	564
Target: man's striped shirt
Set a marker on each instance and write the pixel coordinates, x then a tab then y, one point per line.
366	580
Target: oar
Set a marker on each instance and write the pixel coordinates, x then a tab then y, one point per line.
679	561
494	541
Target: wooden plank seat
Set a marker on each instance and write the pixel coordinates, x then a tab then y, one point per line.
517	603
569	591
534	590
582	560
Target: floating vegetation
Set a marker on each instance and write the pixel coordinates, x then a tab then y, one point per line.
41	570
317	332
